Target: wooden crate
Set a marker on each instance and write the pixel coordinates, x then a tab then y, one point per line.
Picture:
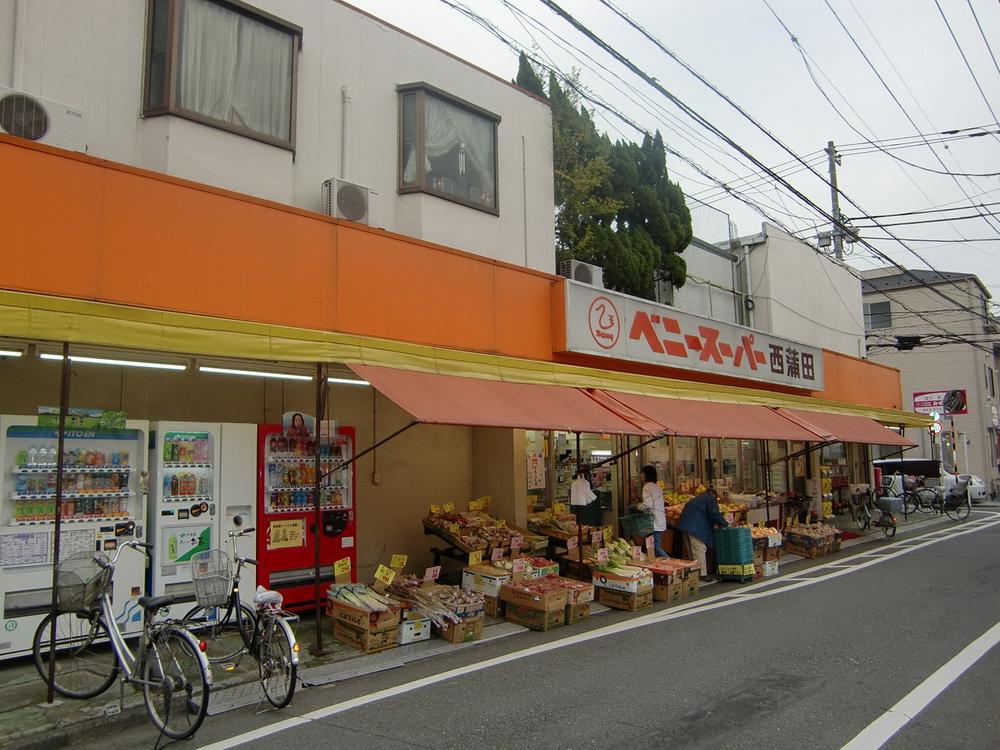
365	640
810	551
577	612
624	600
536	619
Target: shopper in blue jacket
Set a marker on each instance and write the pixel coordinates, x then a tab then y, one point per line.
701	514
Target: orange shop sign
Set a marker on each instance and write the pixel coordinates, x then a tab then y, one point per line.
610	324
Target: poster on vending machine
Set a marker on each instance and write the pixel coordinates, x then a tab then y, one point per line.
181	542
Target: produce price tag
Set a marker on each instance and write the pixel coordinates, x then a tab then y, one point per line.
435	510
398	562
497	554
384	574
454	528
650	542
475	557
484	501
342	566
431	574
608	535
517	541
501	523
637	553
602	554
449	507
596	538
519	565
571	543
558	507
476	505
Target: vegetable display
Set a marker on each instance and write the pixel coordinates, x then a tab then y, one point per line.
361	597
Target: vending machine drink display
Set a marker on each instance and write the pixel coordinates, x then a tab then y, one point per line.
183	504
287	536
102	505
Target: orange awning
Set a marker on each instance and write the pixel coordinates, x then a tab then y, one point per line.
845	428
448	399
709	418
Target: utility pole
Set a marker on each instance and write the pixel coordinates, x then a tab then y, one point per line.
838	232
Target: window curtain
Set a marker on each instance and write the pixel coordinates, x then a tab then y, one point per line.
235	69
448	127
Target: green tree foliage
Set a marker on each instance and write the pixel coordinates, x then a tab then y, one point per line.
615	205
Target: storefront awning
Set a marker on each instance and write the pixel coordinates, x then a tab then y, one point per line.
845	428
708	418
448	399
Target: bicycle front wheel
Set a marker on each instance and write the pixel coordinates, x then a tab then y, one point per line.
225	636
85	662
175	683
925	500
960	512
888	526
911	503
277	668
861	519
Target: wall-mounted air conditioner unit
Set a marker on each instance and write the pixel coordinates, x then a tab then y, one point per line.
346	200
582	272
36	119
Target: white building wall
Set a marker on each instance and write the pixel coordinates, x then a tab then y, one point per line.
89	54
708	290
803	294
942	368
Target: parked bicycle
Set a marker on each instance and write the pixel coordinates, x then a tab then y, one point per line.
169	665
878	511
232	629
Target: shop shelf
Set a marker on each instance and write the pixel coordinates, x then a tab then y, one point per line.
187	464
51	469
186	498
67	495
84	519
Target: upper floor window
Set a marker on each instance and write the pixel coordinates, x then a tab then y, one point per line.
877	315
447	147
225	64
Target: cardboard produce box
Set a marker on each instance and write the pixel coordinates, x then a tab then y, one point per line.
577	612
536	619
465	631
670	592
412	631
577	592
624	599
366	640
343	612
494	606
485	579
627	584
552	599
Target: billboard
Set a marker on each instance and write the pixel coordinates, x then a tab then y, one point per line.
945	403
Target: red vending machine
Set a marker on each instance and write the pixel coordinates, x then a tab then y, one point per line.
287	536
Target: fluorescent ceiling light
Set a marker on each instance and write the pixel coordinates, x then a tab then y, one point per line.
347	381
10	353
256	373
117	362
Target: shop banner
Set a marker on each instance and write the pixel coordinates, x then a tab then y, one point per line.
536	470
610	324
944	403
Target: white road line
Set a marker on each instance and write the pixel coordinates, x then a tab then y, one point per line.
748	593
888	724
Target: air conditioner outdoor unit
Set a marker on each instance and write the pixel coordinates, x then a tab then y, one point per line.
346	200
582	272
36	119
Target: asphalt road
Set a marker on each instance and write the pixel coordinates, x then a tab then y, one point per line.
779	668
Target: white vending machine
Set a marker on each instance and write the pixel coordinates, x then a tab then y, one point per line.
102	506
201	476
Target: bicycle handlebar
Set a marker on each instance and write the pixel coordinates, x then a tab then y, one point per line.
241	532
114	559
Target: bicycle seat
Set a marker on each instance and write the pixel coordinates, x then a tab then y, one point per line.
265	596
153	603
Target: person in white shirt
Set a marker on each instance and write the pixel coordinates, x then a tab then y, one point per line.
580	492
652	502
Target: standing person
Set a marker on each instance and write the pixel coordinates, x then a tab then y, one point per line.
701	514
652	502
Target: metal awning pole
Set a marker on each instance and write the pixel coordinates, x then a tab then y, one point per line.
321	396
57	526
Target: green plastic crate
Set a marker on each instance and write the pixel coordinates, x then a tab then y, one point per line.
636	524
733	546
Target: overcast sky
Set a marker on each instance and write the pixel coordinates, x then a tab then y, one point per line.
741	47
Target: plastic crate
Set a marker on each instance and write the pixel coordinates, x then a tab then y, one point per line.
890	504
733	546
636	524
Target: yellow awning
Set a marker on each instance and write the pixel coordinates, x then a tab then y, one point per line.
34	316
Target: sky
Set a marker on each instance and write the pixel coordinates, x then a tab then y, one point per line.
891	71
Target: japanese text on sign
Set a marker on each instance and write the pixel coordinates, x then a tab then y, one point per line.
342	566
432	573
398	562
475	557
385	575
616	325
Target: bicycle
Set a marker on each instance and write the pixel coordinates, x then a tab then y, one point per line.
871	512
231	629
90	650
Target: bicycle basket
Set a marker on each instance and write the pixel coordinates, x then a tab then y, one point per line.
80	582
212	577
892	505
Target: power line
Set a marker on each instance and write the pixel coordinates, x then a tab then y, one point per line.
961	52
983	34
928	211
881	225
